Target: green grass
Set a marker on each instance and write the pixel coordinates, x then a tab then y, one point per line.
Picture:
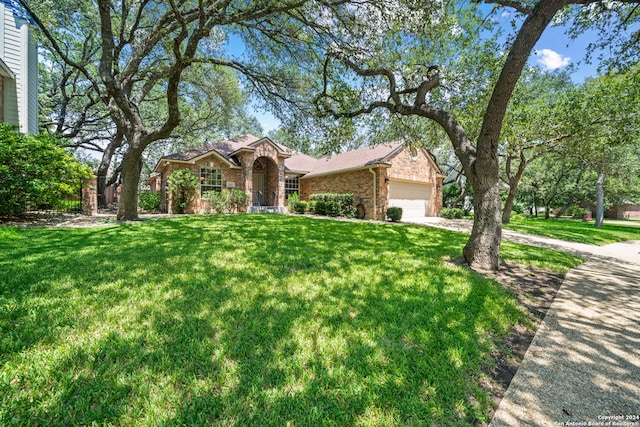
576	230
248	320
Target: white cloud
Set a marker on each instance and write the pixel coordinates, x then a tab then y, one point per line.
551	59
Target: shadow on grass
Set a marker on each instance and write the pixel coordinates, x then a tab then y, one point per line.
245	320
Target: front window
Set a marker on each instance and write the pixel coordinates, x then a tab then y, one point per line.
291	185
210	180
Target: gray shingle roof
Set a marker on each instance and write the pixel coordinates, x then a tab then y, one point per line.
360	158
224	148
298	162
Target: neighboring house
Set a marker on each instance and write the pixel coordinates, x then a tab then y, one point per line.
624	211
382	176
18	69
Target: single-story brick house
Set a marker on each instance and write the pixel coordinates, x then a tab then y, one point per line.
383	176
624	211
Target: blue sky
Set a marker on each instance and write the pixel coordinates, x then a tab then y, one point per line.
555	50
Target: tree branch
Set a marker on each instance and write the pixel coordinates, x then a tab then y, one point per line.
522	8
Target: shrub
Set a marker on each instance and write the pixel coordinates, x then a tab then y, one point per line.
291	201
300	207
149	201
320	208
225	201
394	214
576	211
183	186
334	209
35	171
350	212
454	213
345	201
312	207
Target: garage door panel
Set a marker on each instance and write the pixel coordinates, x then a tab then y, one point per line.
410	208
412	197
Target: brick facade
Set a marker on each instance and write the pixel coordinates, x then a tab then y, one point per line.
359	182
90	196
624	212
419	168
229	175
240	178
245	164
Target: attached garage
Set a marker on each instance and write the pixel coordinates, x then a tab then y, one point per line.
413	197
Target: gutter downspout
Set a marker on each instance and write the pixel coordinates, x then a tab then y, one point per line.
375	207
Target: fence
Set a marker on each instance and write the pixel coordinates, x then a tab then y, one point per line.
71	203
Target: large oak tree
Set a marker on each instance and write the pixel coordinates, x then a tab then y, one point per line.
393	80
145	48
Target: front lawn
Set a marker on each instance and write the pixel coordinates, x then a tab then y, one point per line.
248	320
576	230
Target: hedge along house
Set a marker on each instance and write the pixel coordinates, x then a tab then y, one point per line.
379	177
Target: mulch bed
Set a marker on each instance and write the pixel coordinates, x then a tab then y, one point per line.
535	289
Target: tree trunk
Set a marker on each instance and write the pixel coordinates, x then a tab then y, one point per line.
482	250
103	168
562	210
131	170
514	180
508	204
547	209
600	200
461	196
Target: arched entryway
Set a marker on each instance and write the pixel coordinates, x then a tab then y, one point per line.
264	182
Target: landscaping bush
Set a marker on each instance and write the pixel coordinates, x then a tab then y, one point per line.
149	201
334	209
183	186
312	207
320	207
576	211
225	201
345	202
291	202
35	172
300	207
394	214
452	213
350	212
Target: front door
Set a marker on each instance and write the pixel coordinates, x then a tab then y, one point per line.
258	189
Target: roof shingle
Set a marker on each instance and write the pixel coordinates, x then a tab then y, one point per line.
298	162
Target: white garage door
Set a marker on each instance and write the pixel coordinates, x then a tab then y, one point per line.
414	198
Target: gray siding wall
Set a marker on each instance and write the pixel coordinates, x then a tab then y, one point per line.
19	53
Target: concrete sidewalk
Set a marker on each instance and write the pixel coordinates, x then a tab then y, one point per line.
583	365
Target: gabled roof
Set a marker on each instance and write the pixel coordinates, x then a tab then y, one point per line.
295	162
224	149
